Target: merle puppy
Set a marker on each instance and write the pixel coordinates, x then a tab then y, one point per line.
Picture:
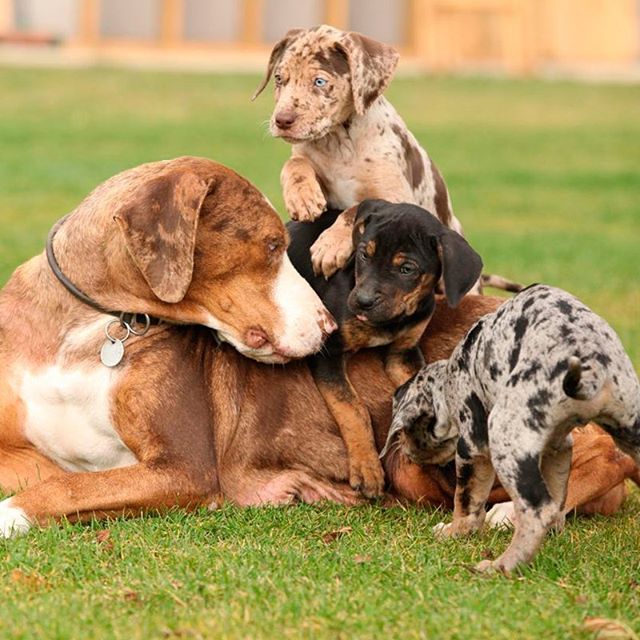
506	402
383	296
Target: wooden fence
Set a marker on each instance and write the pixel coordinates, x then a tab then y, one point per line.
519	36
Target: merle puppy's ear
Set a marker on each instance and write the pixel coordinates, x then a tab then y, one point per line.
366	209
371	67
276	54
461	265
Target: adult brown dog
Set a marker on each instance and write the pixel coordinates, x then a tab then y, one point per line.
186	241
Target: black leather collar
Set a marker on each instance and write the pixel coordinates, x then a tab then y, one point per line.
126	316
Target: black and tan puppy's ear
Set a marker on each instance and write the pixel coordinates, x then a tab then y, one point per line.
461	265
159	225
371	66
276	54
363	213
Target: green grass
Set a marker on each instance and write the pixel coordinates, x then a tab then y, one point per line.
545	179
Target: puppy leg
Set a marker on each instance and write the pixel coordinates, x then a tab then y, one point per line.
334	247
474	479
520	472
353	419
301	190
555	468
402	363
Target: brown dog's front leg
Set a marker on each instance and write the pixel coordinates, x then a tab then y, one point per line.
301	190
353	419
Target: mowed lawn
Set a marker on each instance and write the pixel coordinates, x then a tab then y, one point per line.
546	180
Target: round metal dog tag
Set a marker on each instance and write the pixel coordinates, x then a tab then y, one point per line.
111	353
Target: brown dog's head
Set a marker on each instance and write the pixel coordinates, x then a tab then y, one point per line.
323	76
190	241
401	253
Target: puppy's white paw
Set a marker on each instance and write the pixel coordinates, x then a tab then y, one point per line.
442	530
13	521
501	516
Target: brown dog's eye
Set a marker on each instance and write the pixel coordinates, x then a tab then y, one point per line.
274	245
277	78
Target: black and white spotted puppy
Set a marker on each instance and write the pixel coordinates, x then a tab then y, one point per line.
506	402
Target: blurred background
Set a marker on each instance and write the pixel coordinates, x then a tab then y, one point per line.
530	109
514	36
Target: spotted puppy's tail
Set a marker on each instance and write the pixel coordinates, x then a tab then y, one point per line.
498	282
578	386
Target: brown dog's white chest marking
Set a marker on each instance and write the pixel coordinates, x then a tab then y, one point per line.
69	417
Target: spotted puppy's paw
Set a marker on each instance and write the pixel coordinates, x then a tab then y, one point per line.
491	566
367	476
304	200
333	248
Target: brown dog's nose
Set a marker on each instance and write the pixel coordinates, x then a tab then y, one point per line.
285	119
256	338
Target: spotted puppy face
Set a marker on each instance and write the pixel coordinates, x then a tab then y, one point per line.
402	252
322	76
421	427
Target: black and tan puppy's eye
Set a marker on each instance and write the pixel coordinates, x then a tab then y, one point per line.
408	269
362	254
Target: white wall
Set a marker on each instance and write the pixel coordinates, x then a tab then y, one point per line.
56	17
215	21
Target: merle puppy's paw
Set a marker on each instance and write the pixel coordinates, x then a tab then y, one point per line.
305	200
332	250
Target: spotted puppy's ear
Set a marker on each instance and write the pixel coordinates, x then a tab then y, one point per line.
461	265
276	54
371	66
159	227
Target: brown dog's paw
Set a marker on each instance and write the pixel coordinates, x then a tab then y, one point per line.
332	250
367	477
305	201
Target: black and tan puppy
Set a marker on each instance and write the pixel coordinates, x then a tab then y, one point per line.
384	296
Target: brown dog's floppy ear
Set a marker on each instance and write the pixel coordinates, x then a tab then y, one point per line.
276	53
461	265
371	65
159	228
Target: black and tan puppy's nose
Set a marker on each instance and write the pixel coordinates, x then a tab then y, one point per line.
366	300
286	119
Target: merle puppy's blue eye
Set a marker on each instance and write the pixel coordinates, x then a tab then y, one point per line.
320	82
